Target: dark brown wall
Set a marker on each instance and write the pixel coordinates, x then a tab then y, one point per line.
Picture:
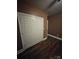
55	25
28	7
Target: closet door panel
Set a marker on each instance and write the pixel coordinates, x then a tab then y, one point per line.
31	29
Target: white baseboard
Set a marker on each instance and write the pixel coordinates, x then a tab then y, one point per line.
55	37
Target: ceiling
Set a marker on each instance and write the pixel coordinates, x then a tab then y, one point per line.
54	9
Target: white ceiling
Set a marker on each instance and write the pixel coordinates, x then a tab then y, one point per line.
54	9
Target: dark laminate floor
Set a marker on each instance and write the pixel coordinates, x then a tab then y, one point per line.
47	49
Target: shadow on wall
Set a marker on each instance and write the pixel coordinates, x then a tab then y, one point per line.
19	41
55	25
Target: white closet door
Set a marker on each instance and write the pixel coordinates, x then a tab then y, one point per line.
31	29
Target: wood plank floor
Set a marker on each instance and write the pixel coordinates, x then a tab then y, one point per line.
43	50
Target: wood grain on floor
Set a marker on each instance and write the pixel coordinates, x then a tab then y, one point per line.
43	50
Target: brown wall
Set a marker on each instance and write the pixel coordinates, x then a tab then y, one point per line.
55	25
28	7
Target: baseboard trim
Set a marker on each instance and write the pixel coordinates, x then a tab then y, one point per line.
55	37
